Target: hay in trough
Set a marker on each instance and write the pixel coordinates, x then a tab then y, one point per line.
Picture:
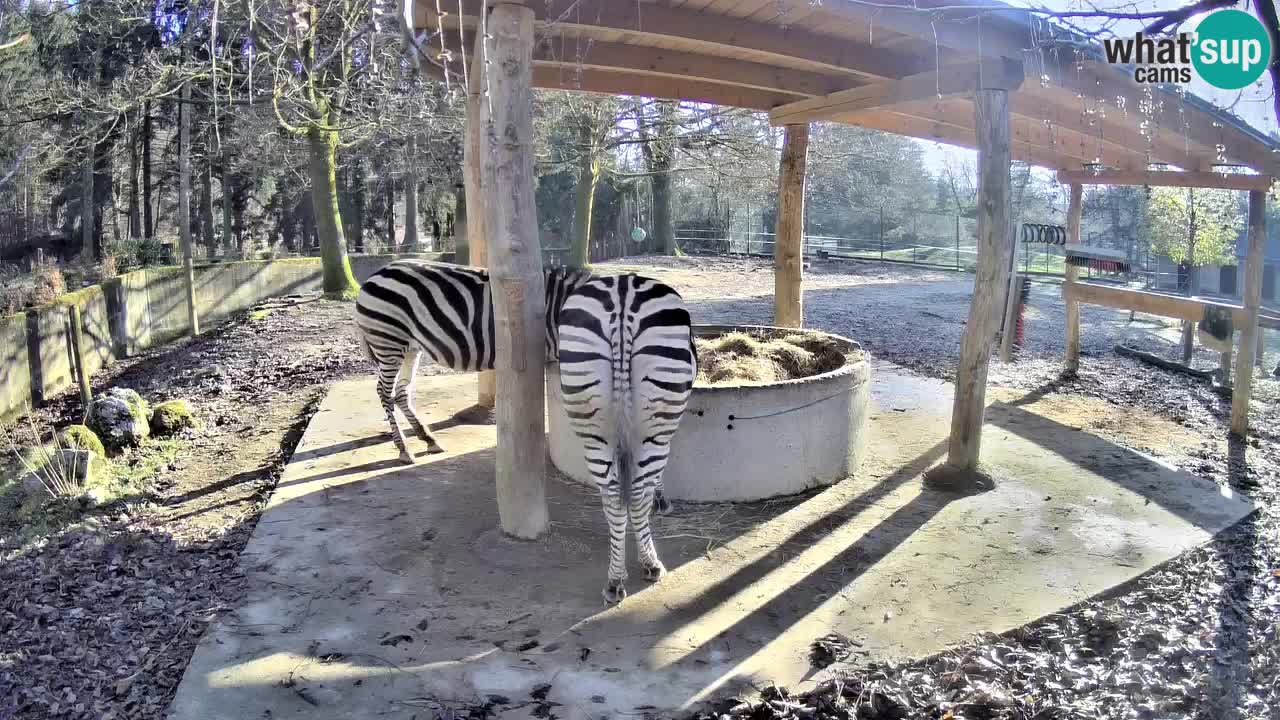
741	357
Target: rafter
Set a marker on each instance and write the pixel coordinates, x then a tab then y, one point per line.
1167	178
963	79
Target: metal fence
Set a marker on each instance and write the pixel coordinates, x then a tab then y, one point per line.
955	256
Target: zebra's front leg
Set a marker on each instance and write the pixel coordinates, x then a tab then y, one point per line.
642	502
404	399
616	515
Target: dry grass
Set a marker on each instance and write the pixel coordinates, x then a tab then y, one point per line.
741	357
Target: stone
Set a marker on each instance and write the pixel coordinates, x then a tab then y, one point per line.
80	437
172	416
120	418
84	469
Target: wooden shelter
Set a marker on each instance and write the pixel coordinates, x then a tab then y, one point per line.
966	72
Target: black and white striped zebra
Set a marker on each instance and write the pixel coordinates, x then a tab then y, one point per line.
627	365
411	307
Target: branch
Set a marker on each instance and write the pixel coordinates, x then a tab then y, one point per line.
23	38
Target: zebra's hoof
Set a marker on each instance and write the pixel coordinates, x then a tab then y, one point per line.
661	504
434	448
654	573
615	592
407	458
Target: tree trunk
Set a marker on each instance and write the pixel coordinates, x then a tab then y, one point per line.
1188	327
148	222
338	280
788	249
411	196
307	210
184	204
135	207
389	191
206	204
588	178
357	204
230	236
86	205
664	229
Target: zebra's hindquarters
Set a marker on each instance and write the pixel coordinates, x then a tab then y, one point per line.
626	369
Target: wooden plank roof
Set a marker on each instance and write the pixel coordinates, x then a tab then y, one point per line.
1071	110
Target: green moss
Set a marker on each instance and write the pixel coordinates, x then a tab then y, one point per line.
143	465
79	297
82	438
172	416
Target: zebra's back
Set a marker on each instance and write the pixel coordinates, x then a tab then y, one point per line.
447	310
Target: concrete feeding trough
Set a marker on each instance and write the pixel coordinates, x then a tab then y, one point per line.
751	441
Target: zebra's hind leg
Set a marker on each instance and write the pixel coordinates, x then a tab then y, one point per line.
642	502
661	504
404	399
616	589
388	372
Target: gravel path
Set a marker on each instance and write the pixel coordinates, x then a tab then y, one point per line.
98	619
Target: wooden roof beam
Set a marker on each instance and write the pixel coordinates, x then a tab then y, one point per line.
1165	178
1001	74
962	136
608	82
658	62
1202	130
1113	130
977	31
646	23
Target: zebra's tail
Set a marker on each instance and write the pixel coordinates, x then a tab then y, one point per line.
364	341
623	429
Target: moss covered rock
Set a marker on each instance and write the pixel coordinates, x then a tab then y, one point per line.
172	416
121	418
80	437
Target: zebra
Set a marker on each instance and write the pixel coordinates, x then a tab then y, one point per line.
414	306
627	366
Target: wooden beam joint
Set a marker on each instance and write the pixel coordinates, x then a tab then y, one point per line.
1001	74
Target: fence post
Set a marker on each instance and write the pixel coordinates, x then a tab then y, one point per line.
882	232
957	242
77	350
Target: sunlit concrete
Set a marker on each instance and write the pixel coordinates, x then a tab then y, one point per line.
377	590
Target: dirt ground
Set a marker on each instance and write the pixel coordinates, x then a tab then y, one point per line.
99	618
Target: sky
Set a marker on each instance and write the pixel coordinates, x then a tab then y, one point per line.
1253	104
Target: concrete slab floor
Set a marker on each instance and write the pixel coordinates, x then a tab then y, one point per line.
381	591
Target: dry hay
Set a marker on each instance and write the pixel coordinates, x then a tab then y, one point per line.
741	357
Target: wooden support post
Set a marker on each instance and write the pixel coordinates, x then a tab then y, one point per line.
1249	334
515	261
991	117
1011	298
77	349
1074	211
1224	364
788	248
473	188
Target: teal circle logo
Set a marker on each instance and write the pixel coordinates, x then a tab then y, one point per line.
1232	49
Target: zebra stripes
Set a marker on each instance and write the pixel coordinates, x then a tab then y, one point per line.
627	365
411	307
